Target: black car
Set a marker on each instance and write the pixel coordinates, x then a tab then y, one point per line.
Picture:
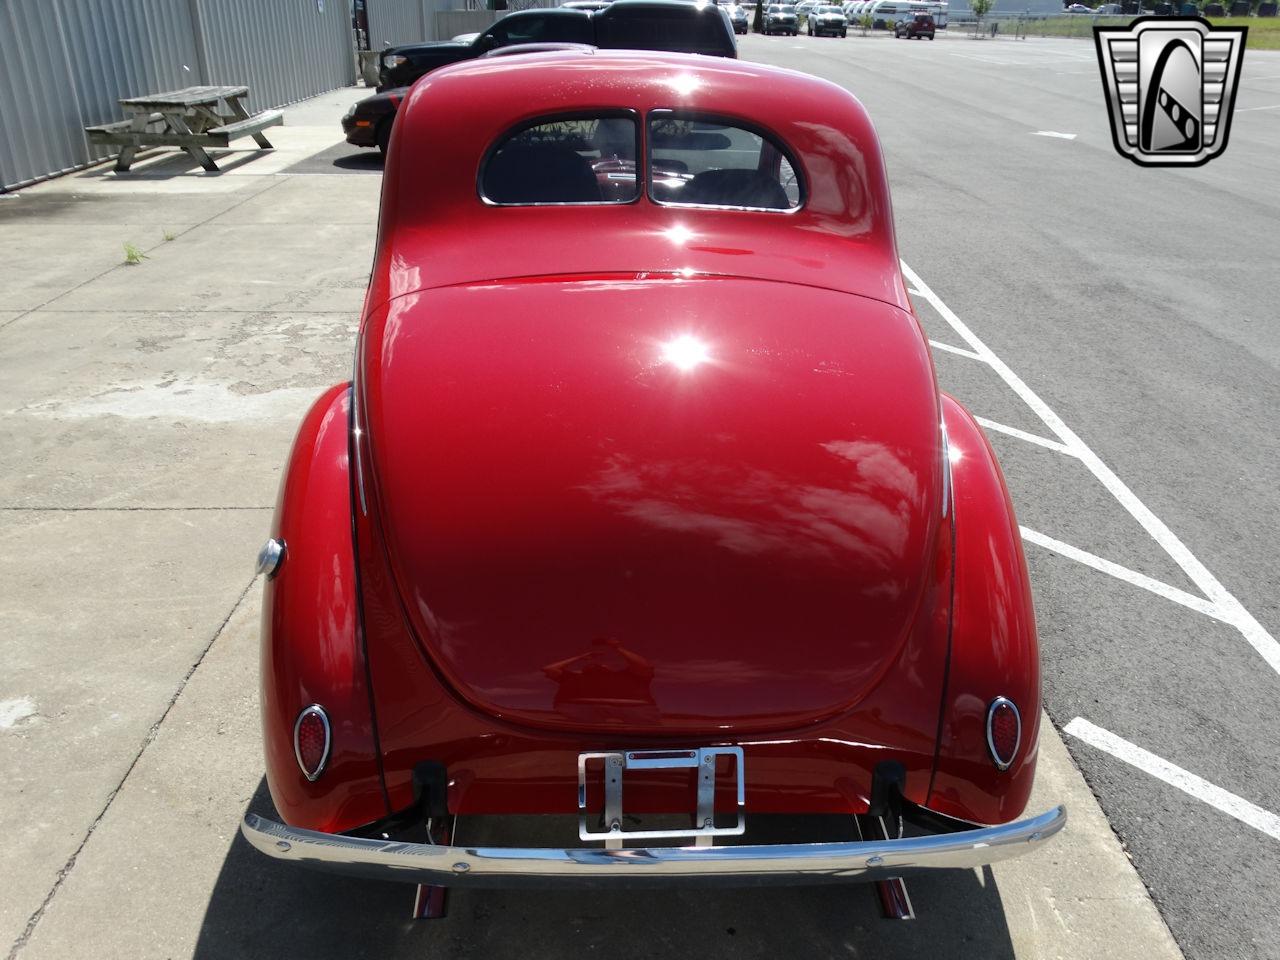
678	26
781	18
737	17
368	122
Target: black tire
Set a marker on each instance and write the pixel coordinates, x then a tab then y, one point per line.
843	34
383	135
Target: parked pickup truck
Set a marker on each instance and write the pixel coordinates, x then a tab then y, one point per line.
677	26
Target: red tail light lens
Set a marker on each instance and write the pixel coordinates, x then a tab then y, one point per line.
1004	731
311	741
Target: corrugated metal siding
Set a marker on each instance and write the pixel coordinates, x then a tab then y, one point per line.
65	63
450	23
123	48
394	22
285	50
39	117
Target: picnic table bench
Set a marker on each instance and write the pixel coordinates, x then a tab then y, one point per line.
191	120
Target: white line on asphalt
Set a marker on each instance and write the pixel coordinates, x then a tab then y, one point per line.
1199	604
958	351
1229	609
1054	133
1274	106
1053	445
1247	813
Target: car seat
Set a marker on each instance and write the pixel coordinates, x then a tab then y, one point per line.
735	188
540	173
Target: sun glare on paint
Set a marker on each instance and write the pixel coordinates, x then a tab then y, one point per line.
685	352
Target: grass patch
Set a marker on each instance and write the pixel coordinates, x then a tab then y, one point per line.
1264	32
133	254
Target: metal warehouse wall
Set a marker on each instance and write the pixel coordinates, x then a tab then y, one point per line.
285	50
65	63
394	22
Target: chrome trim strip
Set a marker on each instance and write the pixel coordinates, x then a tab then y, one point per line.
991	743
774	864
328	741
946	470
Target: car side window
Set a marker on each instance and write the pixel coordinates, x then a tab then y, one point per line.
712	162
517	30
540	29
564	160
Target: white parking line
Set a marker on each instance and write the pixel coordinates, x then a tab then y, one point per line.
1227	608
1199	604
1053	445
1247	813
959	351
1054	133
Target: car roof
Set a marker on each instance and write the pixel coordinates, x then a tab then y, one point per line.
545	46
546	12
628	8
435	231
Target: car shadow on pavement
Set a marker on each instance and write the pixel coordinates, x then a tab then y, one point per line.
368	160
266	908
341	158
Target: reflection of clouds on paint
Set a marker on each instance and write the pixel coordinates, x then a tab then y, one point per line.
846	208
757	512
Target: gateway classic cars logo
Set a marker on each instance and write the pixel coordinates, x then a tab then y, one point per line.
1170	84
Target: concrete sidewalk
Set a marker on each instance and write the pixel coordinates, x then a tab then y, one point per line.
147	410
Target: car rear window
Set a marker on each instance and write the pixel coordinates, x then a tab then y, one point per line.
718	163
580	159
678	30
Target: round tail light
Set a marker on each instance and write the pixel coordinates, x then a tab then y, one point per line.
311	740
1004	731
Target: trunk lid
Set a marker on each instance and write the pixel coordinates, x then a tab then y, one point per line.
654	505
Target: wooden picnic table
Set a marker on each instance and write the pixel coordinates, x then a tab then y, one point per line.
191	120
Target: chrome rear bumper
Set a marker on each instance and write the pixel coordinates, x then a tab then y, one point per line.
764	865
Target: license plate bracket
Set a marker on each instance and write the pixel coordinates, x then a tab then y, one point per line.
701	760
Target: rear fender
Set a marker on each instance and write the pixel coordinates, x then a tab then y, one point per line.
312	649
994	651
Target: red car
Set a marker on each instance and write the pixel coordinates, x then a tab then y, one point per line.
643	508
917	27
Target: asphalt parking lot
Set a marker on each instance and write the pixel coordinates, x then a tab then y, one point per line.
1124	315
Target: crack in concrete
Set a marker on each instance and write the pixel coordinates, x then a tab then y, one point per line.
117	266
67	867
